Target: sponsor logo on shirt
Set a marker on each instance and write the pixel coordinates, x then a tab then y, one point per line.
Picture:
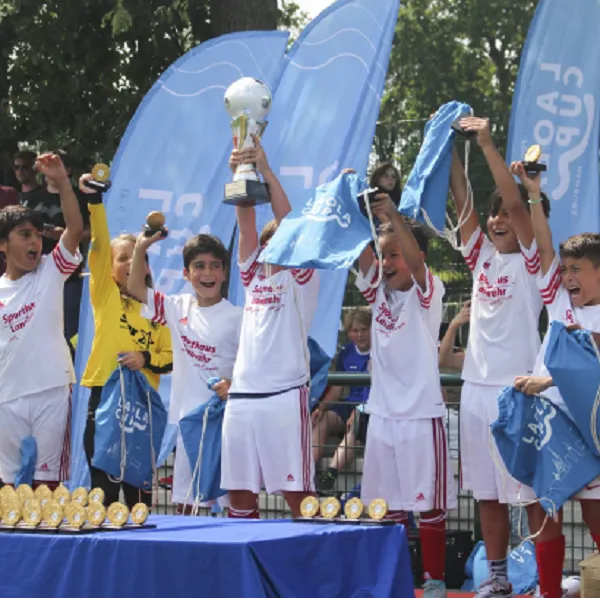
496	292
266	296
19	319
201	353
386	321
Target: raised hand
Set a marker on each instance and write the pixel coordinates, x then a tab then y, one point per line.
531	182
52	167
479	126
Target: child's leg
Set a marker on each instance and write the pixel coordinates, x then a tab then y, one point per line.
590	511
244	505
345	451
432	530
549	549
330	423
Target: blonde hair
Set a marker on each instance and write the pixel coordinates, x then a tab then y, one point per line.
360	315
129	238
267	232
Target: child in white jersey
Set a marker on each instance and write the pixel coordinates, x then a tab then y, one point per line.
571	293
503	341
406	454
35	360
267	427
205	330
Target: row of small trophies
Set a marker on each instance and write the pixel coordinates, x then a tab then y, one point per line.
25	508
329	509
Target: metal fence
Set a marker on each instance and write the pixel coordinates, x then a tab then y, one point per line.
579	542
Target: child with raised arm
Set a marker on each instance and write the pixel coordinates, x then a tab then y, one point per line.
122	336
503	341
570	288
267	426
35	361
205	330
405	403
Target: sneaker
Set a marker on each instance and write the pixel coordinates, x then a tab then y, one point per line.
495	588
433	588
326	481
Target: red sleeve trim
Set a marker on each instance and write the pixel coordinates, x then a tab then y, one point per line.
551	289
370	294
302	275
425	298
62	263
473	256
532	262
159	316
249	274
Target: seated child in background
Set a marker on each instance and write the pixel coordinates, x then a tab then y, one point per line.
333	411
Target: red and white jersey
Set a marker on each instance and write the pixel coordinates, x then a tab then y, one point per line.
505	309
558	303
205	344
405	381
278	313
34	355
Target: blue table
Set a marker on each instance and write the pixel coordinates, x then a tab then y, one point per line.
197	557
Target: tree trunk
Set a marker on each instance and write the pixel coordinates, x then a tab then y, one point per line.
228	16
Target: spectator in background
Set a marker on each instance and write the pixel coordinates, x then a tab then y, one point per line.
332	412
8	197
387	178
45	199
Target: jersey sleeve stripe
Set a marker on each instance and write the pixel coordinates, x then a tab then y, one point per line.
473	256
550	291
425	298
64	265
159	308
302	275
370	294
532	262
248	275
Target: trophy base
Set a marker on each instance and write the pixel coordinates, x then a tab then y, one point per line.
246	194
100	186
376	522
320	520
149	231
534	167
458	129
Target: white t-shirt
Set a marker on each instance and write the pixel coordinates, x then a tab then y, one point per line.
205	344
278	313
505	309
34	355
558	303
405	381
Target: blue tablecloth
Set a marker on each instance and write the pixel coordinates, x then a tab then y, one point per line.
193	557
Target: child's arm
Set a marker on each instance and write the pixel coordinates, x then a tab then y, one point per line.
458	188
160	360
541	228
507	187
51	166
386	211
446	356
533	385
136	283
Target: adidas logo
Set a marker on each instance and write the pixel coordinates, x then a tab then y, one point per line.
290	478
44	467
2	304
183	321
420	496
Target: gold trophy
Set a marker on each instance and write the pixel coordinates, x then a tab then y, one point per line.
139	513
80	495
248	102
309	508
96	514
24	492
32	513
378	509
76	515
52	514
155	221
531	160
330	508
11	513
43	494
118	514
96	495
100	182
62	495
353	509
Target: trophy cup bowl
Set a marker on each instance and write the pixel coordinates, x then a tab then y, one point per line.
531	160
155	222
248	102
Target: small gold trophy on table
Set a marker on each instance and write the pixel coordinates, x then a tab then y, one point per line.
531	160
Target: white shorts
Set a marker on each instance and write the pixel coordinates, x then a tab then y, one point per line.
46	417
182	479
267	443
482	469
590	492
407	464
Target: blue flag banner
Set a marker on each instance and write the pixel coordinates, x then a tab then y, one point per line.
328	233
555	105
542	448
574	364
425	194
522	568
130	424
323	120
174	158
201	432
